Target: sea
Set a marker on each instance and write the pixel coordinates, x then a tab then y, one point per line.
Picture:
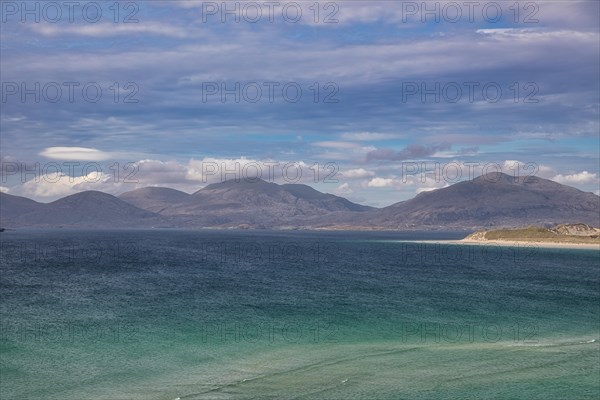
238	314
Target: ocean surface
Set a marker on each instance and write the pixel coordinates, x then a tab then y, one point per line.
168	314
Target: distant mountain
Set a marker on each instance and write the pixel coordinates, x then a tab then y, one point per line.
490	201
154	199
86	209
12	207
253	204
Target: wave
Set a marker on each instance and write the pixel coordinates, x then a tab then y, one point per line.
572	342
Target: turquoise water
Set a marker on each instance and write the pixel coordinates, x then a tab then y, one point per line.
303	315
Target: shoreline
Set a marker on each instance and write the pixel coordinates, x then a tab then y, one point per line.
516	243
465	241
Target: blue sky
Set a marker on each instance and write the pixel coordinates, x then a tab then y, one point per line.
397	90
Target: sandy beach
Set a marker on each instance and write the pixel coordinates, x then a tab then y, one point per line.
513	243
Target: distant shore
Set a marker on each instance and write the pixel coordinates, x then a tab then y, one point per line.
574	236
515	243
538	243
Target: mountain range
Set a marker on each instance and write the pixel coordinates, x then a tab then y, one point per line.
493	200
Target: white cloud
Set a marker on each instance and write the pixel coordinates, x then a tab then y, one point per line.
381	182
545	171
16	118
507	31
418	184
358	173
59	185
520	168
4	189
580	178
75	154
108	29
210	170
429	189
513	34
343	189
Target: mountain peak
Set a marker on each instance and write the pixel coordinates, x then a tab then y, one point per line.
499	177
93	209
244	182
495	199
154	198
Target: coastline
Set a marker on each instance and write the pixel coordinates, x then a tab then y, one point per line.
516	243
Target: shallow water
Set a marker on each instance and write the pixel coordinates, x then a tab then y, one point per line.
234	314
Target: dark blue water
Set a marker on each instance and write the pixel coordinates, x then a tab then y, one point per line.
246	314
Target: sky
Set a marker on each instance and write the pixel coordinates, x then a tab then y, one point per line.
375	101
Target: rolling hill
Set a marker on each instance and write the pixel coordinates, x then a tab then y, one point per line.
90	209
493	200
490	201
